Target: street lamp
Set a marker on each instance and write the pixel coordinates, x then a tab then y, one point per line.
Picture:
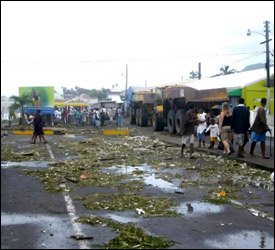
267	40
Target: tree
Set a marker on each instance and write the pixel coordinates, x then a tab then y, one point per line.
19	103
225	70
103	94
194	74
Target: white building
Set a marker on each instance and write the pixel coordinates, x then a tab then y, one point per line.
6	102
87	99
115	95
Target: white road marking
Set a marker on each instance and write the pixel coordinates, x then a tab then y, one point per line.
71	211
50	151
252	210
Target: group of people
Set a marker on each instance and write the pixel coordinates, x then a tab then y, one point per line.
81	117
229	127
97	119
100	116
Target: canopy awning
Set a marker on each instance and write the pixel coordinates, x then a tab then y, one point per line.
74	104
234	92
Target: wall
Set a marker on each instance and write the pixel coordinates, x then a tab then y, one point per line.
253	94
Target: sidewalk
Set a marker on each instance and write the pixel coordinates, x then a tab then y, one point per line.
257	162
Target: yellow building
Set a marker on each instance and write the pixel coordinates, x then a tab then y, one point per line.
251	85
254	92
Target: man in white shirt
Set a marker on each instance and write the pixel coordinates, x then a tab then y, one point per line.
201	127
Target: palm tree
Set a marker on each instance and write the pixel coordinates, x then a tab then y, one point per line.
19	103
225	70
194	74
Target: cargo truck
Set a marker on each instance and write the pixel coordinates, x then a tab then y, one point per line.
172	102
141	107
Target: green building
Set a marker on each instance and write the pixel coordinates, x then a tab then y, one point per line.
251	85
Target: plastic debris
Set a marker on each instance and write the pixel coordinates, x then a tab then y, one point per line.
83	176
140	211
179	192
221	194
190	209
81	237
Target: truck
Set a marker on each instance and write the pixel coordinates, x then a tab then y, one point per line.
141	107
172	102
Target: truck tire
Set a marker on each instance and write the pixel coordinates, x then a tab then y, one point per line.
179	121
144	120
133	117
157	124
138	122
171	122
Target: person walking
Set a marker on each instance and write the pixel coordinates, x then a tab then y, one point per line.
84	115
102	117
97	118
110	115
119	117
214	132
77	117
225	129
201	127
38	127
30	121
240	125
259	129
188	132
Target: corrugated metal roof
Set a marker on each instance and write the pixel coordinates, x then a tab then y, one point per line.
237	80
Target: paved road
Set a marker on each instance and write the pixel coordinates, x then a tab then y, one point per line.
34	218
258	162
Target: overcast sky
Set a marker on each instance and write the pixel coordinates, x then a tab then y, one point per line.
88	44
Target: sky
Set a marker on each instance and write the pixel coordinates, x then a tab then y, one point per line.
89	43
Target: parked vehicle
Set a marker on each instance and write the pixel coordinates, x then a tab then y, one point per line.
141	107
172	102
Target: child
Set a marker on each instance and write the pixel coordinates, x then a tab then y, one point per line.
201	128
214	131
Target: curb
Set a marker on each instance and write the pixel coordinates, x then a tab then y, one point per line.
252	164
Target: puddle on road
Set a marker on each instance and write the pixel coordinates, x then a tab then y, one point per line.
29	164
7	142
77	137
69	135
122	219
130	169
160	183
56	225
198	208
244	240
148	176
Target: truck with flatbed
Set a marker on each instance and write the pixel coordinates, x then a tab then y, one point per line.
172	102
141	107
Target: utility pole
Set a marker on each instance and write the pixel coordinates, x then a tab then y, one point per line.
125	101
199	76
267	64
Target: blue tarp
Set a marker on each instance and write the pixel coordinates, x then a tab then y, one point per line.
44	110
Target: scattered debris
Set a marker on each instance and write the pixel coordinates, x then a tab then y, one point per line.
190	209
83	176
81	237
140	211
179	192
221	194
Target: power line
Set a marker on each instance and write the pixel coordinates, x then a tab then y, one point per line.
134	59
242	59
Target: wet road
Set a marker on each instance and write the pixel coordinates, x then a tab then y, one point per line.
34	218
